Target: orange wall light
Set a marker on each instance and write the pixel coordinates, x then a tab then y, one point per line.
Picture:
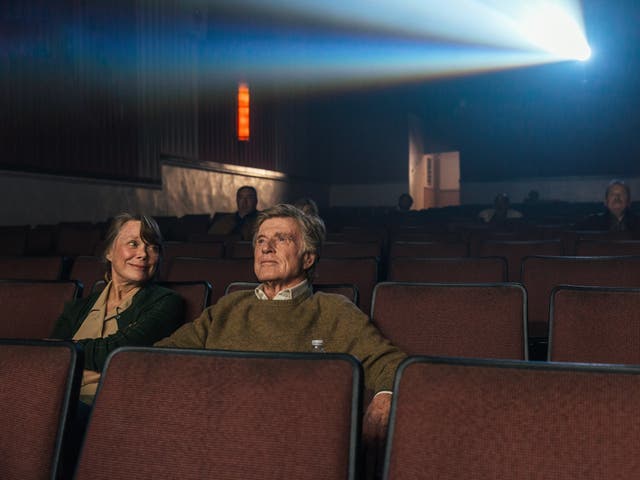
243	112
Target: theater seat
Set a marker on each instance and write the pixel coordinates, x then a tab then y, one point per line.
595	325
464	320
472	419
194	414
30	308
39	381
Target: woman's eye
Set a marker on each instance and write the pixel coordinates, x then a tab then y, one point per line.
133	243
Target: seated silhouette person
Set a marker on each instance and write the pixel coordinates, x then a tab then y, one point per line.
242	222
617	217
501	213
307	205
404	202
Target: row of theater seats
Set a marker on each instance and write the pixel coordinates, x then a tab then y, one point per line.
163	414
484	320
538	274
84	238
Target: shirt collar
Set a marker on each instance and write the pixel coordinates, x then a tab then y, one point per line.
101	302
286	294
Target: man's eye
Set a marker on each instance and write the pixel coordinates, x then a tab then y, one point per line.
260	241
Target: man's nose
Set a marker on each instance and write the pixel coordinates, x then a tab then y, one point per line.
268	244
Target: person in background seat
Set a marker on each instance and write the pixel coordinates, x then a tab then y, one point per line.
617	217
243	221
307	205
501	213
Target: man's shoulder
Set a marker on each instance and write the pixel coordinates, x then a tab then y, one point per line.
333	300
234	298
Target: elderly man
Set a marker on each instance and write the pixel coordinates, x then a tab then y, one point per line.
241	222
283	314
617	217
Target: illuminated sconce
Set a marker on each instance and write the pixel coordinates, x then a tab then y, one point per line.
243	112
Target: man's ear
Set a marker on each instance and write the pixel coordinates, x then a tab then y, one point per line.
308	259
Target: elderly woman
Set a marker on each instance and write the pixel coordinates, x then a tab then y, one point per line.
131	310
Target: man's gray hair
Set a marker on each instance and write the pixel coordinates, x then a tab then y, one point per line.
311	226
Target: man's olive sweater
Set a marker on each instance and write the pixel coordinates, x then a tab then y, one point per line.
240	321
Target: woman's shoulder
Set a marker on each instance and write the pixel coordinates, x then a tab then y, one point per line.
153	292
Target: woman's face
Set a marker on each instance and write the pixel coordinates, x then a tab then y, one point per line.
132	260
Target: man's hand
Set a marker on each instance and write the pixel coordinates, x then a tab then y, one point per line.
376	419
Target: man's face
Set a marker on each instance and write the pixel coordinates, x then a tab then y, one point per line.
617	200
278	253
247	201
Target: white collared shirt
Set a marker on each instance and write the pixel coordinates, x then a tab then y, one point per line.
286	294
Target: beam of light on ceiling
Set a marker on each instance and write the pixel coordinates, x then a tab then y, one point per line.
364	41
311	43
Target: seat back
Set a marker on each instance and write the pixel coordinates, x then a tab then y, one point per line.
167	225
219	272
592	247
191	224
351	249
207	414
239	249
40	384
193	249
172	250
541	274
41	240
462	320
88	270
13	239
594	325
361	272
75	240
30	308
462	419
448	270
31	268
196	295
429	249
514	251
